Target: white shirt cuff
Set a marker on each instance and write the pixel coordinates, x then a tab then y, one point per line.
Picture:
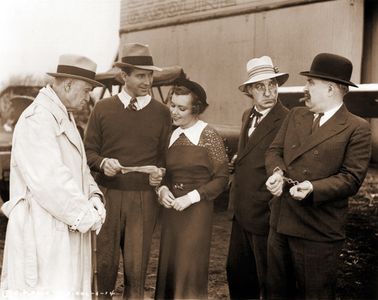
159	189
102	163
194	196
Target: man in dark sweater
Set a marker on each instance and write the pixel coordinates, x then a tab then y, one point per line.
129	129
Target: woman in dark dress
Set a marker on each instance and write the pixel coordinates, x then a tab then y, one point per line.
197	173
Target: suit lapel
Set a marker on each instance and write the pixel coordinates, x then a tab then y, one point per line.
243	133
333	126
264	128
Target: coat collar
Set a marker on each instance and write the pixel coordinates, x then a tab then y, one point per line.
303	122
265	127
50	101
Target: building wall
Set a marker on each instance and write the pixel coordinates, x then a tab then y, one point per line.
370	60
214	51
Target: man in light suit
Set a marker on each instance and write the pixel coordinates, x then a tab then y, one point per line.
246	265
318	159
54	201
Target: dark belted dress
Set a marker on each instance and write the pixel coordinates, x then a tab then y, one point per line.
186	235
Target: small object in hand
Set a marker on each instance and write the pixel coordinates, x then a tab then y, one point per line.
179	186
290	181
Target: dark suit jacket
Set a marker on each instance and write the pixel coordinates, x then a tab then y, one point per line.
248	192
334	159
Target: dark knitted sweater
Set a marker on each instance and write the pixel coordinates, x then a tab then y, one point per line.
135	138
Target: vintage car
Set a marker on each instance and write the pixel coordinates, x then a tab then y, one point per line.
14	108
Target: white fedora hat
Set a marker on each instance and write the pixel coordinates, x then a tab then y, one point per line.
77	67
262	68
137	56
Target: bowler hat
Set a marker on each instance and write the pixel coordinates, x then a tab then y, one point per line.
331	67
77	67
262	68
194	87
137	56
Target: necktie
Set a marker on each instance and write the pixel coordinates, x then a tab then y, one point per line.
254	115
315	123
257	115
132	105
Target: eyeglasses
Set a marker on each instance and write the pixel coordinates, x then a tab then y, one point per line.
261	87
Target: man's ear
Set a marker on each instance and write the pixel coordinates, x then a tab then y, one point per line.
331	88
67	85
124	76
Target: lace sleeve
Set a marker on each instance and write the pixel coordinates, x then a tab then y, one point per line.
214	145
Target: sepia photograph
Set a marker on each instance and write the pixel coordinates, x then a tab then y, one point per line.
189	149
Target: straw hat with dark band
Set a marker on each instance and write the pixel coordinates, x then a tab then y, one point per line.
262	68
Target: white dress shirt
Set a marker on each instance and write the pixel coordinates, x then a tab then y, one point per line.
264	114
142	101
328	114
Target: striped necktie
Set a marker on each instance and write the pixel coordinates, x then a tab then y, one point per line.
133	104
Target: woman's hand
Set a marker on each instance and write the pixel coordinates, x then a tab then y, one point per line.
166	198
181	203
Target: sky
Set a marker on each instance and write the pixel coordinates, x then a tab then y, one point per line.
33	33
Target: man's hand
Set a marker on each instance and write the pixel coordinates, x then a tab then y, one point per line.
166	197
156	177
274	184
111	166
301	190
99	206
97	225
231	164
181	203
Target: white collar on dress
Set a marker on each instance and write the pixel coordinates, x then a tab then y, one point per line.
142	101
193	133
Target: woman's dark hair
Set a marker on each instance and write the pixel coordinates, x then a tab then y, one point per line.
198	107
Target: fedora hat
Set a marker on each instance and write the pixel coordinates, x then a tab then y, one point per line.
77	67
137	56
262	68
331	67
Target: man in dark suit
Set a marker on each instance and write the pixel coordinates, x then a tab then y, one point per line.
246	265
318	159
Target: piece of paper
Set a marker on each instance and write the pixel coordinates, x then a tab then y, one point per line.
142	169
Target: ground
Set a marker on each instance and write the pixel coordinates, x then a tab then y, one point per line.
358	265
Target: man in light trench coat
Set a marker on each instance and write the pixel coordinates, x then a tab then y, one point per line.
54	201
